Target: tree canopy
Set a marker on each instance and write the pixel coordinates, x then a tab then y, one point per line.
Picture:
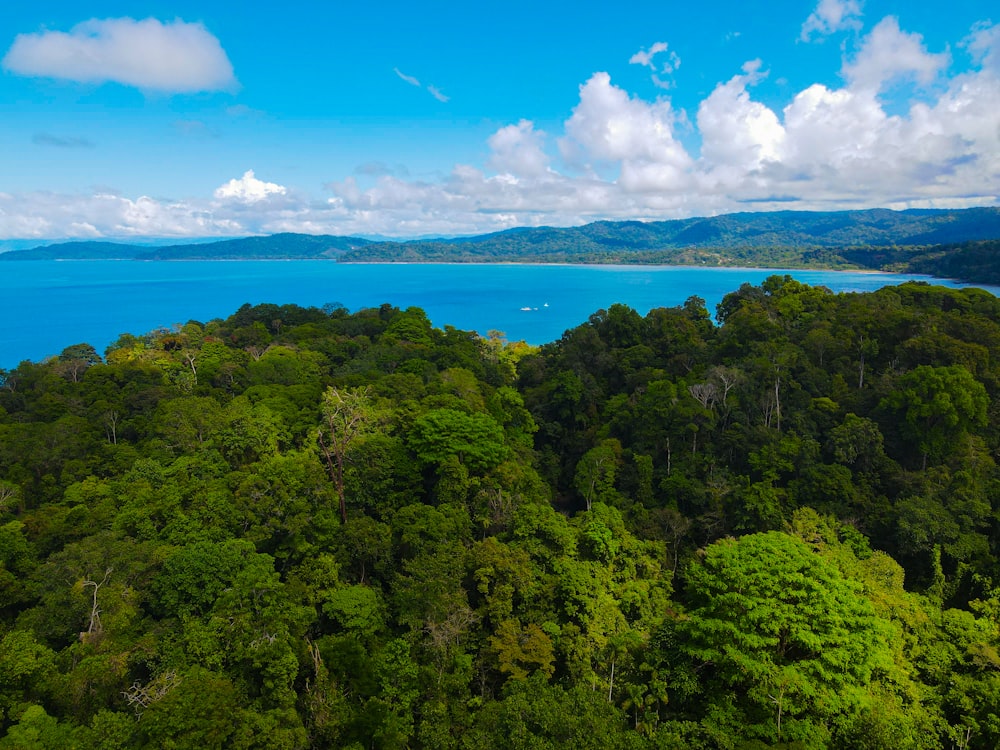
310	527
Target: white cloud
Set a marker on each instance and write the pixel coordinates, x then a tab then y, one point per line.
519	150
831	16
831	128
888	54
248	189
53	216
645	57
738	135
609	125
431	89
174	57
828	146
437	94
466	201
409	79
984	46
621	156
84	229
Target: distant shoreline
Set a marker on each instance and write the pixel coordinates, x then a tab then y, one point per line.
526	263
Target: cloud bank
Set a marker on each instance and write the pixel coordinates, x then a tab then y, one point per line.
174	57
618	155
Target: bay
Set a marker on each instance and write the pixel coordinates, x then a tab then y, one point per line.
50	305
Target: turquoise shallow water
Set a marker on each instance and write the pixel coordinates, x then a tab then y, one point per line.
52	304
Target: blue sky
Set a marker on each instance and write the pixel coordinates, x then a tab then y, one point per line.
405	119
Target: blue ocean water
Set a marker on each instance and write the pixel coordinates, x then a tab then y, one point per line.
53	304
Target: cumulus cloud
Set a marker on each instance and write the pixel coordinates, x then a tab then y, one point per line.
608	126
248	189
888	53
831	16
519	150
173	57
621	156
739	136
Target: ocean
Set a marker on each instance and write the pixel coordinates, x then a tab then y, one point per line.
53	304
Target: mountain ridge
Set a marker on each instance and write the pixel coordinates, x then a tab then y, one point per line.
877	239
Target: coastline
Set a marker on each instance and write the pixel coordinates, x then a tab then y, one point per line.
96	301
470	263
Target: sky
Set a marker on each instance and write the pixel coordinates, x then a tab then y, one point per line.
178	119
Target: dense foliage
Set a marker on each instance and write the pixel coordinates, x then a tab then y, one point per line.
309	528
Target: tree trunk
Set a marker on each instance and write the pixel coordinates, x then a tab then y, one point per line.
340	488
611	682
777	402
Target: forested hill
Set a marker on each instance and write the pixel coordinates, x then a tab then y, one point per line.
878	239
768	238
274	247
310	528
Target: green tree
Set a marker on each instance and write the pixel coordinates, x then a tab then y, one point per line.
357	609
74	360
790	642
938	406
520	650
857	441
198	709
348	413
595	472
476	439
249	432
536	715
189	422
27	672
37	730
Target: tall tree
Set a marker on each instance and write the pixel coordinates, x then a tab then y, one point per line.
790	641
348	413
938	405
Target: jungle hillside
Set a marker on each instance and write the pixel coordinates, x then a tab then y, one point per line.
774	524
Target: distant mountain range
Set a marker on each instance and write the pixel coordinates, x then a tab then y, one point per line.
273	247
956	243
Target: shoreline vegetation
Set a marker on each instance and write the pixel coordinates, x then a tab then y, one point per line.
309	527
956	244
